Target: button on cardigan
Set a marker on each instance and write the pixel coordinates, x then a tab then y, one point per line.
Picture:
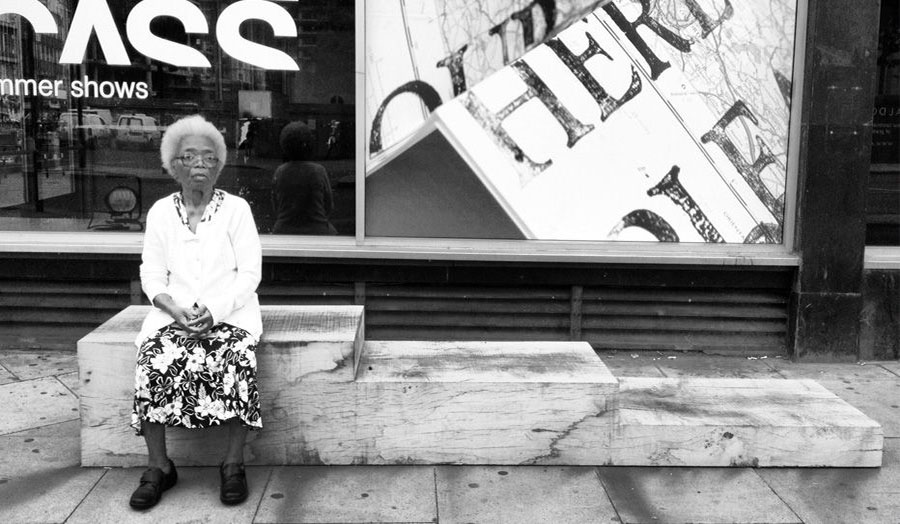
219	266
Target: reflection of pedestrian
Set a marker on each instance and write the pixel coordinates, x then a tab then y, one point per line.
334	138
301	192
247	138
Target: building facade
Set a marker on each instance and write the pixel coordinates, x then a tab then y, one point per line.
695	175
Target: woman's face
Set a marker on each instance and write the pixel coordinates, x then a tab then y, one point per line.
196	166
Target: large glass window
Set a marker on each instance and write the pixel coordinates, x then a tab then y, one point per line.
79	139
566	120
624	120
883	199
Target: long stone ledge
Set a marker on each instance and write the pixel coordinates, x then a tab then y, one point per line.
329	397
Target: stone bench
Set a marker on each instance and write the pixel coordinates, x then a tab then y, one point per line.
740	422
330	397
303	345
327	399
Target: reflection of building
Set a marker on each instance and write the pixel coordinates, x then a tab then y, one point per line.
889	49
32	153
47	47
322	42
10	61
44	61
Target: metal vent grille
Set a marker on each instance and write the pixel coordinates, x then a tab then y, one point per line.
411	312
742	310
54	315
735	320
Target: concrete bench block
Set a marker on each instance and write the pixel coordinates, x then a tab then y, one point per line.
484	402
328	400
304	349
740	422
328	397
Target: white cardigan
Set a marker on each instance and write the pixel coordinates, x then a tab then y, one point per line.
219	266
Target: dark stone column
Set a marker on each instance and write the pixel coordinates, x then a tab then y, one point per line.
838	97
879	337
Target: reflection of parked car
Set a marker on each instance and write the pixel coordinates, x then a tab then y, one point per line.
137	130
96	130
11	149
72	115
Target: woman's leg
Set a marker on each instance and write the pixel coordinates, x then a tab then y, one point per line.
153	483
155	437
237	436
233	488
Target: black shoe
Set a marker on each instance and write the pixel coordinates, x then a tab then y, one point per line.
234	484
153	483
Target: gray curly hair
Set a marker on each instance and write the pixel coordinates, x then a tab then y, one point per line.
194	125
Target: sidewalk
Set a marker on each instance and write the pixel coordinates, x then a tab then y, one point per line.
41	480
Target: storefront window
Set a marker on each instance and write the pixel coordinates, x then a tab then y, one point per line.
620	120
883	199
79	138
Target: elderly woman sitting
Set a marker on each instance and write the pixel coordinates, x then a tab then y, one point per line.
196	362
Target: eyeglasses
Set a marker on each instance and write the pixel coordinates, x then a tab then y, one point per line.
191	159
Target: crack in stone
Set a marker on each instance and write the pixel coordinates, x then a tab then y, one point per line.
562	434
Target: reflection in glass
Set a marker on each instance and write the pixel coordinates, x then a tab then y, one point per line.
62	155
302	200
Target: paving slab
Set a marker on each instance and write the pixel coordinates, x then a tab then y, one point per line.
878	399
29	364
55	437
830	371
349	494
829	495
40	477
6	377
70	380
523	494
195	498
624	364
693	495
891	365
715	367
33	403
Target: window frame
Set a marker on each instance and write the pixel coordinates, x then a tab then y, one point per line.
360	246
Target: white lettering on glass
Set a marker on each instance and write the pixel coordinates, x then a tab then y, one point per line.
145	42
94	16
228	32
90	16
40	18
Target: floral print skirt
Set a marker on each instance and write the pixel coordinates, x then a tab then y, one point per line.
196	381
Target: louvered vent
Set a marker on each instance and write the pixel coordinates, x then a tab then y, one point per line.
733	320
55	314
739	310
306	294
411	312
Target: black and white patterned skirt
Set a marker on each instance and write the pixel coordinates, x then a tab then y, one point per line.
196	381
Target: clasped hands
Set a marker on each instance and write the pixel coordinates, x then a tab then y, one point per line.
196	320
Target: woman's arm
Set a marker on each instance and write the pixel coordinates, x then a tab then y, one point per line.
248	259
154	269
155	272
